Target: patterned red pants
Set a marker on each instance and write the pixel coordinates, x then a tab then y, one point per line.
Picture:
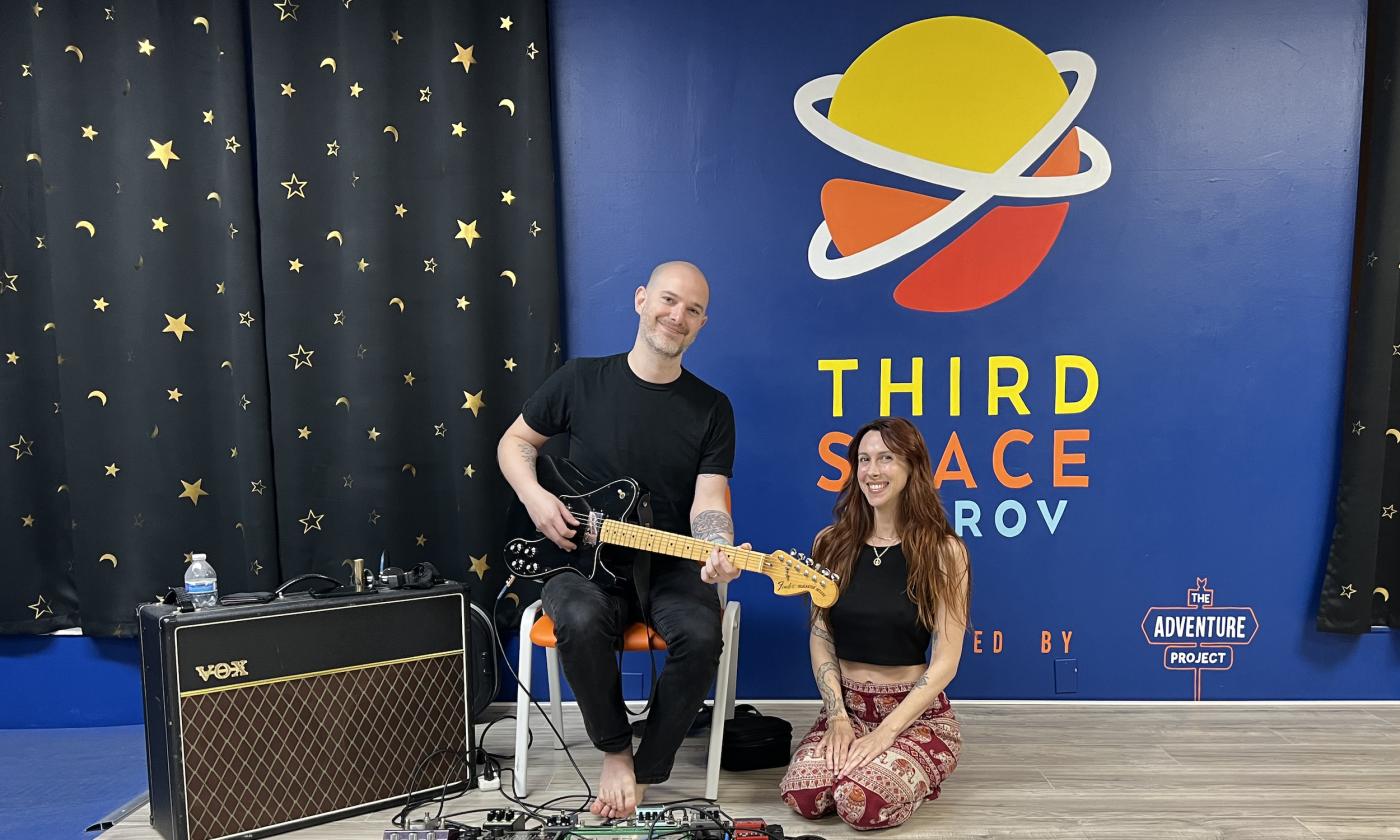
886	790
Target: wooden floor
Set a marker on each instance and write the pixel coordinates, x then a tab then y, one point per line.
1110	772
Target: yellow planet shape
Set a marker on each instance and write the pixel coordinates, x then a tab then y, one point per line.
955	90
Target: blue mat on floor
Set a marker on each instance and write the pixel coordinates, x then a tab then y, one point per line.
57	782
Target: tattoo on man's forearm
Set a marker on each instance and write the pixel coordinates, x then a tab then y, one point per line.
831	695
713	526
529	453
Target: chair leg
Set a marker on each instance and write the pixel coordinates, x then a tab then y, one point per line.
724	694
556	702
733	668
524	669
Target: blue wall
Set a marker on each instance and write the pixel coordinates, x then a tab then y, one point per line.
1207	282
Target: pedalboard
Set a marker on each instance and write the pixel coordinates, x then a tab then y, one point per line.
648	823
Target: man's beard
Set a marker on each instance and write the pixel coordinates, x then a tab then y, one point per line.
655	338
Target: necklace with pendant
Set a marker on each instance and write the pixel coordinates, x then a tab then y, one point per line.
880	552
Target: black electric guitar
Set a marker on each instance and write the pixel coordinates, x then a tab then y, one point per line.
607	515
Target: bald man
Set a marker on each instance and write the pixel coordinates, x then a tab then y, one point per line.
641	415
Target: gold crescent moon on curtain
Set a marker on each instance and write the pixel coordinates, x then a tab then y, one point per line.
84	224
109	557
33	157
73	48
328	62
396	301
202	21
213	196
98	395
335	234
410	469
389	129
1383	592
507	104
1395	433
511	275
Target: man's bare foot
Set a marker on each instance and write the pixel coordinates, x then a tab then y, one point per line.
617	789
641	794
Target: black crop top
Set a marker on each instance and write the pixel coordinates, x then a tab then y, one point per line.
874	621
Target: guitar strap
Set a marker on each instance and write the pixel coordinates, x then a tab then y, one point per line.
641	578
641	563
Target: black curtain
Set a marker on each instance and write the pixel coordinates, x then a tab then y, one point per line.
276	277
1362	578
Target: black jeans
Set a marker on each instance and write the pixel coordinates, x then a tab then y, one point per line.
589	620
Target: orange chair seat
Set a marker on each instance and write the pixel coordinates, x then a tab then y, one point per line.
633	639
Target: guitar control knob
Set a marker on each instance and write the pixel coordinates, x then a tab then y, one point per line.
534	567
515	548
530	552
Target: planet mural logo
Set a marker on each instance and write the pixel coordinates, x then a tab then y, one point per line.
968	107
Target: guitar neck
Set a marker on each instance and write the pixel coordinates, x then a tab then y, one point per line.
676	545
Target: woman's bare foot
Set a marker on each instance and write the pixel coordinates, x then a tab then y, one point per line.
617	789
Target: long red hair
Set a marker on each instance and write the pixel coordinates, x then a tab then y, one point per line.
933	552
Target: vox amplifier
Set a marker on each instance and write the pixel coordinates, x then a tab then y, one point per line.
269	717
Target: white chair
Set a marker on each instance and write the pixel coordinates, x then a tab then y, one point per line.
538	630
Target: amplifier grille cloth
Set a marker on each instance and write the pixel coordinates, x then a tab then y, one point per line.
273	753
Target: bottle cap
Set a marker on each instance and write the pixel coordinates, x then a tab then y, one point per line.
198	557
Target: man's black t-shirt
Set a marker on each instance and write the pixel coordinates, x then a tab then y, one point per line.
621	425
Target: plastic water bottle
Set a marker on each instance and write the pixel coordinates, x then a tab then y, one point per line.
201	583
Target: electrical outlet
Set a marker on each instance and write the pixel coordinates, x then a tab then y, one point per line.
1066	676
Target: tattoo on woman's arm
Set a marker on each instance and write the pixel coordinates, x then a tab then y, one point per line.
830	696
714	526
821	633
920	682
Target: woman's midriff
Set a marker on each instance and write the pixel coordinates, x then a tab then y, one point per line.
883	674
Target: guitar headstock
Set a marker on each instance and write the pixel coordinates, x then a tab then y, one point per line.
794	573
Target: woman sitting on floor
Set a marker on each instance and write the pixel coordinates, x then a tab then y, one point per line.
886	737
